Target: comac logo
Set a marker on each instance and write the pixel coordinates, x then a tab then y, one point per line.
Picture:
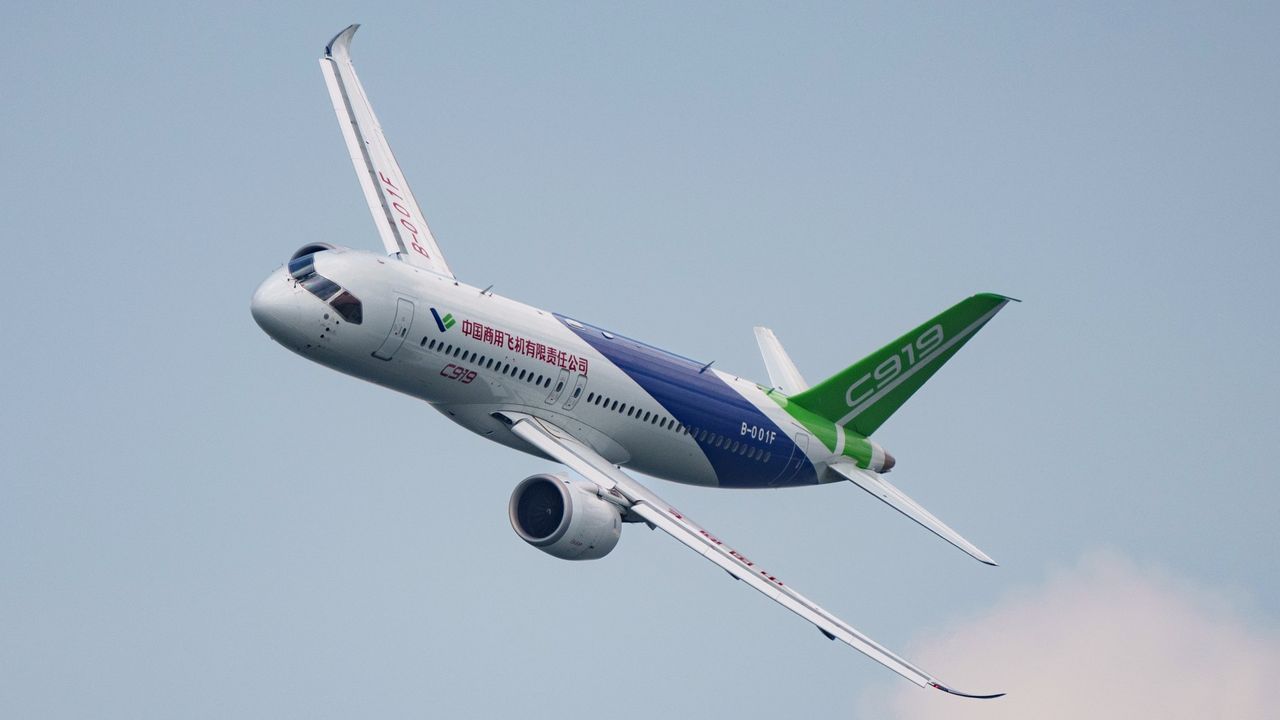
444	323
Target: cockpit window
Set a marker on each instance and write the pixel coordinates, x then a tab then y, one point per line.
320	286
303	269
348	307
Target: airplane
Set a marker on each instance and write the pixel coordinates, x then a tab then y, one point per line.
590	399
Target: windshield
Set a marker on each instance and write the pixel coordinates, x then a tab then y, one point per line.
303	269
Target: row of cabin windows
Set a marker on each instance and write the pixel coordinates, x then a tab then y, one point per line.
632	411
702	436
484	362
733	446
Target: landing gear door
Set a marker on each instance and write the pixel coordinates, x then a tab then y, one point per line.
399	328
578	386
558	387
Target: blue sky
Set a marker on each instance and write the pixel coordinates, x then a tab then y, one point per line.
195	522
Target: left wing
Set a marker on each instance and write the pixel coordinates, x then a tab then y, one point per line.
400	221
564	448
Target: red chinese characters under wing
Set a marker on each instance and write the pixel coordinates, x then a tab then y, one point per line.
643	503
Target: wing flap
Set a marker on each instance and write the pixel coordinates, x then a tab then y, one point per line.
564	448
400	221
875	484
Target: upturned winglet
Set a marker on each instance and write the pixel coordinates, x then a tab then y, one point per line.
946	689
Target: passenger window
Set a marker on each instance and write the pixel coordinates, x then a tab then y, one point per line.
590	396
615	405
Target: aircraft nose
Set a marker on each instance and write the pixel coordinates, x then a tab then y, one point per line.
275	307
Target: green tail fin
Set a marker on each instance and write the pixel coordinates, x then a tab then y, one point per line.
863	396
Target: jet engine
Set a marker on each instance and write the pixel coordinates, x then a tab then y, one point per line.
564	518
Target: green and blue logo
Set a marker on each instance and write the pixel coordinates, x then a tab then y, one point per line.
444	323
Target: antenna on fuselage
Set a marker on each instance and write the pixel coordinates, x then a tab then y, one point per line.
486	290
706	367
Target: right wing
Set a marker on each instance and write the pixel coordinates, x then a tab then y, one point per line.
400	221
782	372
875	484
564	448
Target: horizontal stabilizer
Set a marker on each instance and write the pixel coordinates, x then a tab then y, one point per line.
875	484
783	374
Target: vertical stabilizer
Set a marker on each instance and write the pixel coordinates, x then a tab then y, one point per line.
783	374
865	394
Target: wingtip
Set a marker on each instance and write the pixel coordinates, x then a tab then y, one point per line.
983	558
946	689
343	37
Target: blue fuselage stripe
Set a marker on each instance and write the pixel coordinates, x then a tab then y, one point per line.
699	398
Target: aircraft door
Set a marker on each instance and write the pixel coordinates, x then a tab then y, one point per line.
795	462
578	386
399	328
558	387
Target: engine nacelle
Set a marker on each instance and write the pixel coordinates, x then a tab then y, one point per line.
564	518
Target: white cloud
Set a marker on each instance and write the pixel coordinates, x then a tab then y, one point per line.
1105	639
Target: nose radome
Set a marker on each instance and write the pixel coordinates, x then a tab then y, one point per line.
275	307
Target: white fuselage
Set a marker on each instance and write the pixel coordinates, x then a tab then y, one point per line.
472	354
